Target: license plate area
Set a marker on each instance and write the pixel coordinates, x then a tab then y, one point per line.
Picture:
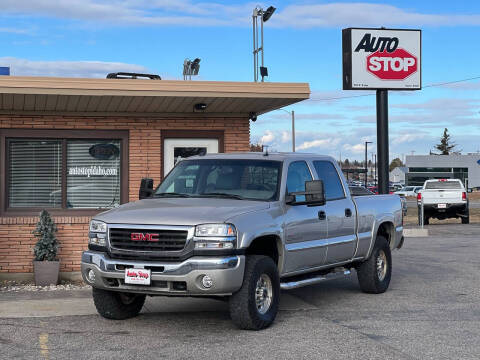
138	276
442	206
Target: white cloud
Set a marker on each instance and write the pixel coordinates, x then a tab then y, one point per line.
406	138
192	13
268	137
319	144
86	69
286	137
355	149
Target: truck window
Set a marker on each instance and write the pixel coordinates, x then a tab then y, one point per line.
443	185
331	182
298	173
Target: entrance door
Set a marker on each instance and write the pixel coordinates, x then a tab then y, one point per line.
176	149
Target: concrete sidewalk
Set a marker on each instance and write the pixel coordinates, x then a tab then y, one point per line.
79	302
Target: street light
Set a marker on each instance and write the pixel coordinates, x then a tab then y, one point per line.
366	161
292	113
264	16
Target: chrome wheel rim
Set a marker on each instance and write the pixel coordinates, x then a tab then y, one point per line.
263	294
381	265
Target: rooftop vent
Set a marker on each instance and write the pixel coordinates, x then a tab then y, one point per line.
127	75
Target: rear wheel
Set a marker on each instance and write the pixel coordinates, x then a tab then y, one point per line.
375	273
255	305
466	220
117	305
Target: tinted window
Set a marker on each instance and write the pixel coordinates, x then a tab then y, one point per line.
331	182
298	173
247	179
443	185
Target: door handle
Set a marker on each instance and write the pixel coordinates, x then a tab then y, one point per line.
322	215
348	212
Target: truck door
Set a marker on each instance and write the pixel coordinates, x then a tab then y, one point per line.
341	214
305	226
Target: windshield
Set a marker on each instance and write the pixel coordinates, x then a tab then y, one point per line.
443	185
236	179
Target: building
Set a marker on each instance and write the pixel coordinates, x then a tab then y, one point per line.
397	175
463	167
79	146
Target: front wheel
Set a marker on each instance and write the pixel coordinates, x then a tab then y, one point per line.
375	273
255	305
117	305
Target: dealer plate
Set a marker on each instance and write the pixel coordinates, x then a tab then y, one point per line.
138	276
442	206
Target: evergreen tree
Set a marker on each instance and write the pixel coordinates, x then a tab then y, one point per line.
446	146
395	163
46	247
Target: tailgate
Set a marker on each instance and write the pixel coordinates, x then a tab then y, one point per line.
439	196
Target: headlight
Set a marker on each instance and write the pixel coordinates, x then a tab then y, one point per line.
98	226
215	236
215	230
98	233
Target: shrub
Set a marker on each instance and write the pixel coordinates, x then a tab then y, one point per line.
46	247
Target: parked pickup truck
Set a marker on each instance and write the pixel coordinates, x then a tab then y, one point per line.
240	227
443	199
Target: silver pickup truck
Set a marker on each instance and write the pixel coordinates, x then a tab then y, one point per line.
240	227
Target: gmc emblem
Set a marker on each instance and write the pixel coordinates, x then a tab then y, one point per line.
144	237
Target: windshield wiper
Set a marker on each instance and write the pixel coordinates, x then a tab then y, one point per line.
170	194
225	195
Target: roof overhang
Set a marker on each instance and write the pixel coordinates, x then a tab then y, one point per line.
20	94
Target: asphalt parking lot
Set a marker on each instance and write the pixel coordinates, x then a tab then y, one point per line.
431	311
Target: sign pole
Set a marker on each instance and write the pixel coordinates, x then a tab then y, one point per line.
382	141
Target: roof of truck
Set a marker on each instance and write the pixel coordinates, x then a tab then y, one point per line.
278	156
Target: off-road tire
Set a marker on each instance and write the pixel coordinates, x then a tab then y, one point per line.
367	273
426	220
466	220
242	304
113	305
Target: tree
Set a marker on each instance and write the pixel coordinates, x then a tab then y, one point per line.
446	145
395	163
256	147
46	247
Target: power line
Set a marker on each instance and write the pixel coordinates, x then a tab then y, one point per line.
372	94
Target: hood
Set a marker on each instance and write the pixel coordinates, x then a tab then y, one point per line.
179	211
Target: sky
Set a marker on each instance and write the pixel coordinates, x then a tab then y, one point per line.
303	43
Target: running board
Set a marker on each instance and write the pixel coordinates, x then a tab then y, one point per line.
313	280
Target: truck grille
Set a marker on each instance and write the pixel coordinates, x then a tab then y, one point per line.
148	239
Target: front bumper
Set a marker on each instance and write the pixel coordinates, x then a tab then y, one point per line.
182	278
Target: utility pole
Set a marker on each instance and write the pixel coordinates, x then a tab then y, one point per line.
366	161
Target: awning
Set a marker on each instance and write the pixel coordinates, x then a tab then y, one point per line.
124	96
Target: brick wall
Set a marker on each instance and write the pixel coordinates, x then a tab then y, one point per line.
145	154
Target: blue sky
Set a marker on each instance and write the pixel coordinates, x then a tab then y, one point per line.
89	38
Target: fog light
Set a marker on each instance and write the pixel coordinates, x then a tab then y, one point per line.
207	282
91	275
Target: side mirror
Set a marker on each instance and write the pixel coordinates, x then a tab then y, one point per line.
146	188
314	194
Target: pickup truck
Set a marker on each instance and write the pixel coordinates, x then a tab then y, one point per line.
443	199
240	227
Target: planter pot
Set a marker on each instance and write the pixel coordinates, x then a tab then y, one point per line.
46	272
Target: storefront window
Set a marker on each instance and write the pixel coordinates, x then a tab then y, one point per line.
34	173
93	173
67	172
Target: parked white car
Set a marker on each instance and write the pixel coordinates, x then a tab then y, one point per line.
408	191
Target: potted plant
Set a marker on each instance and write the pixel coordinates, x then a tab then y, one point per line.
46	266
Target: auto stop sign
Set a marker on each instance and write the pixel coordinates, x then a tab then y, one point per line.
381	59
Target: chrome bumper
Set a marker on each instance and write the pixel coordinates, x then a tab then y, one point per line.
182	278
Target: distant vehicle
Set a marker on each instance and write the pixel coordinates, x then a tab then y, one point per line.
409	191
374	189
443	199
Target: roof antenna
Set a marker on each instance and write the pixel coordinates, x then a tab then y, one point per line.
265	150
